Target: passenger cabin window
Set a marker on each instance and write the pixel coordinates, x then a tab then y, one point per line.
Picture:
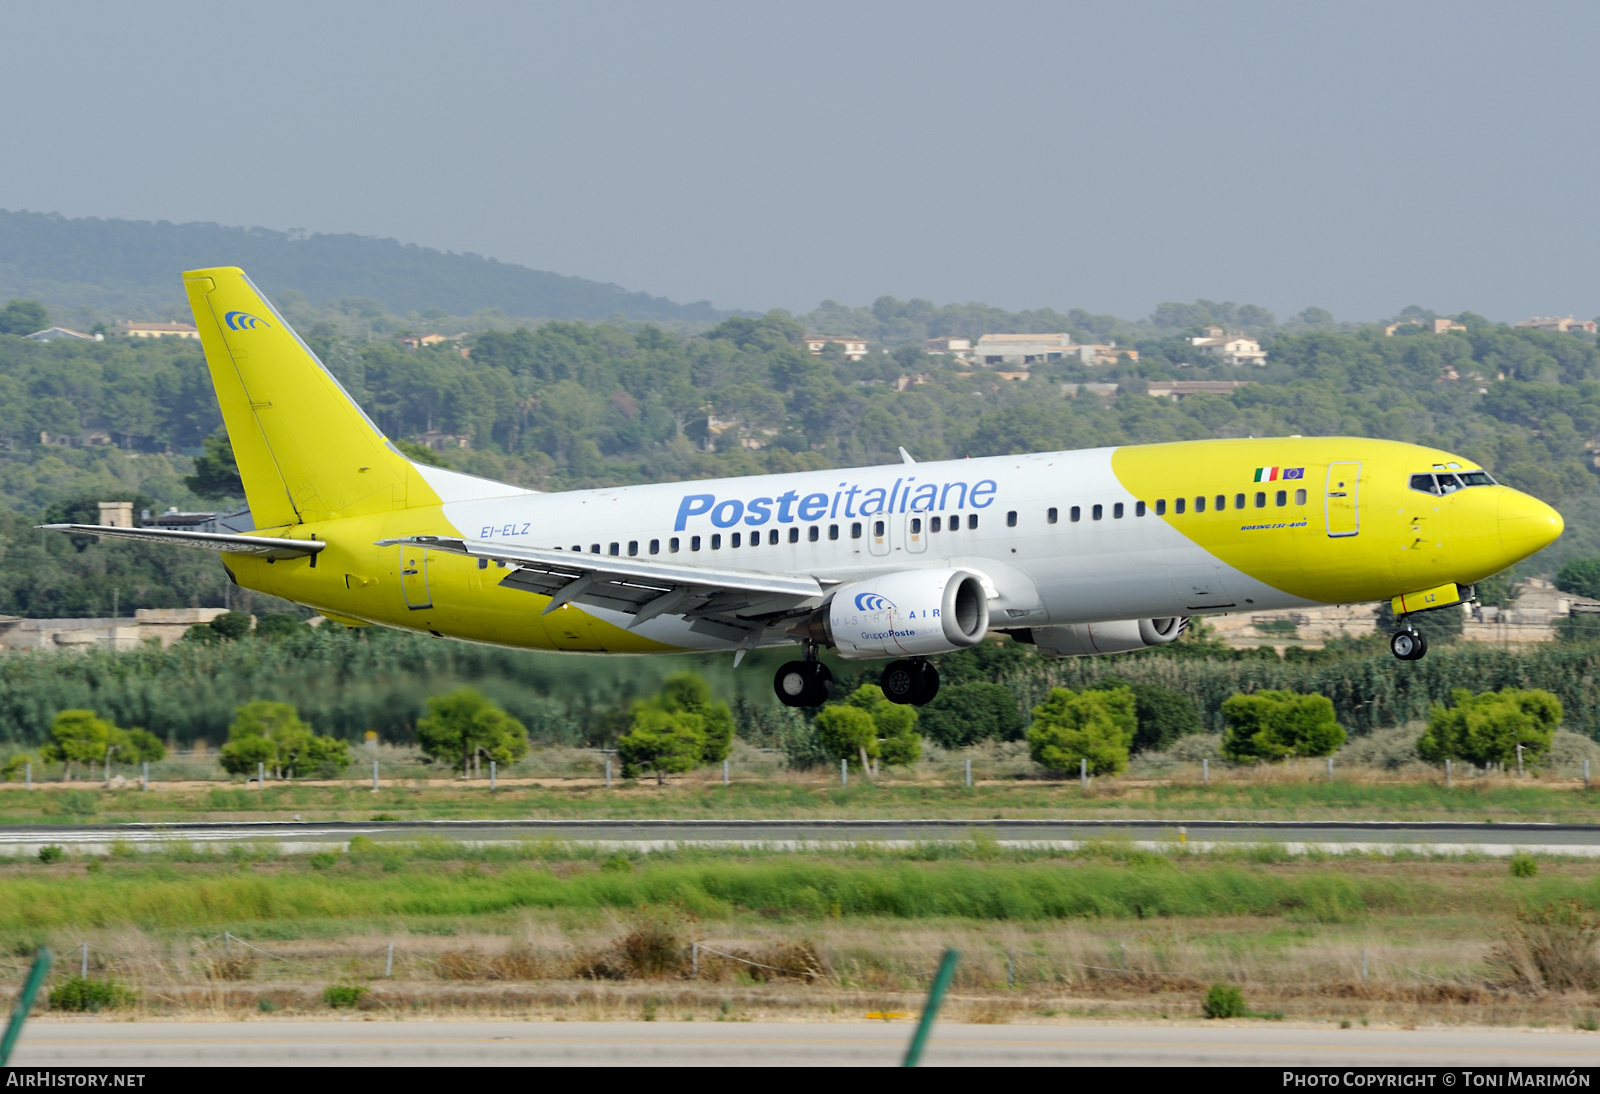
483	563
1282	498
733	540
916	526
594	548
1138	508
855	530
833	531
1261	499
1177	506
1238	501
1098	512
716	541
972	522
772	536
577	547
1075	514
877	528
672	544
655	546
633	547
1116	511
935	523
1050	516
1222	502
1299	497
694	543
1011	519
1161	507
794	534
1200	504
616	549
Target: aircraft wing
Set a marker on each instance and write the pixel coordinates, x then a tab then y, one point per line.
265	546
729	603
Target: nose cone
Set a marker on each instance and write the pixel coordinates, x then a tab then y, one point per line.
1526	525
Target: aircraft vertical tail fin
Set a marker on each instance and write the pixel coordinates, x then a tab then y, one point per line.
305	450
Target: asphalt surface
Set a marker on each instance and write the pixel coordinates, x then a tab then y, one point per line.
133	1045
1385	836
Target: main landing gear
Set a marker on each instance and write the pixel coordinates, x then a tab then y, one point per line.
805	683
913	682
1407	643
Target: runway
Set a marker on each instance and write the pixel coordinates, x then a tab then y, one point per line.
1422	837
131	1045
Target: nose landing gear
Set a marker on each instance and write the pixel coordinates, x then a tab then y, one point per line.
913	682
1407	643
805	683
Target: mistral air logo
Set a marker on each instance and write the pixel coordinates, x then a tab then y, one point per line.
849	500
243	320
872	602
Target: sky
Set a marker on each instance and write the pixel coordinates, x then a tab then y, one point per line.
1353	156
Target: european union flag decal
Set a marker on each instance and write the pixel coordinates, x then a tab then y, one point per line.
1294	472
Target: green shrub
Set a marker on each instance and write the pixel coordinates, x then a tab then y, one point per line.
1070	727
323	860
1487	728
343	995
1580	576
1223	1001
846	732
1524	865
894	726
1275	725
1163	716
231	625
463	725
51	853
968	713
272	733
83	994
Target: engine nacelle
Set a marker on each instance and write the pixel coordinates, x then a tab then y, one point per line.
907	614
1119	636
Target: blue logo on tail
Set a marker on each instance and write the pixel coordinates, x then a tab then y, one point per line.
872	602
243	320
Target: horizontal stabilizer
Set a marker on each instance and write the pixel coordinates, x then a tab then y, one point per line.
264	546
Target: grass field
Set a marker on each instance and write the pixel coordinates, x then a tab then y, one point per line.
555	930
1283	793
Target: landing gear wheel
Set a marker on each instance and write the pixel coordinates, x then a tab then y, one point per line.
913	682
803	684
1408	645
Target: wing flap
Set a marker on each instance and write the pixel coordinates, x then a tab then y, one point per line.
264	546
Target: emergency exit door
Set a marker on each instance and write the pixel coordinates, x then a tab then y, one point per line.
1343	498
414	577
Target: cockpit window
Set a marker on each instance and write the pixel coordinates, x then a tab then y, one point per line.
1445	482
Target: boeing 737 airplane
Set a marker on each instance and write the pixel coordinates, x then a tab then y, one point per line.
1090	552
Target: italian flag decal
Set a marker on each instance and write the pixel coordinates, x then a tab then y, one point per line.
1266	474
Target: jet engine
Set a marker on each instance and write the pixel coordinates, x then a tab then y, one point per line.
910	613
1119	636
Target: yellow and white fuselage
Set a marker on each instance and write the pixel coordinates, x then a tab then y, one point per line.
1054	540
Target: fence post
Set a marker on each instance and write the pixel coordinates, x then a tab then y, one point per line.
1363	965
1011	967
694	960
374	776
1083	773
724	772
388	964
930	1010
1205	770
1586	774
261	775
30	773
969	771
227	943
608	772
84	964
1330	768
844	772
491	775
144	776
1449	776
1519	761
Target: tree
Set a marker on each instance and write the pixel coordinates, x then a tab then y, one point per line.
1274	725
688	692
273	625
216	473
894	726
80	736
1163	715
1487	728
967	713
1581	577
231	625
464	728
663	742
848	733
23	317
1070	727
271	733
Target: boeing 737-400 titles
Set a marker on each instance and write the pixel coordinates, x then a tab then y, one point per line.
1098	551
